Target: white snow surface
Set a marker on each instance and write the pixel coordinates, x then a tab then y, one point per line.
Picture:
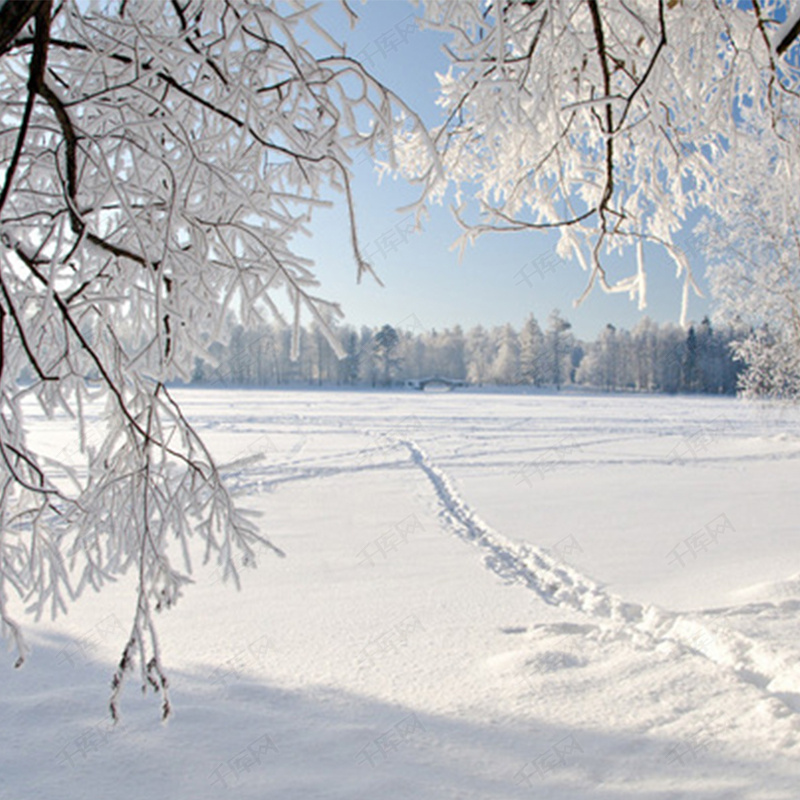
485	595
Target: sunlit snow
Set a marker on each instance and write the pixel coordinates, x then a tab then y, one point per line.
485	595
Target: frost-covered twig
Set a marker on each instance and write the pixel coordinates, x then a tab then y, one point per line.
158	162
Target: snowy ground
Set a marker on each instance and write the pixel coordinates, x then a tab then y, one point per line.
485	596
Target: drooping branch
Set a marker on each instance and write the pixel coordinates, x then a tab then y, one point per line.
642	82
608	128
15	16
36	74
23	336
789	35
195	149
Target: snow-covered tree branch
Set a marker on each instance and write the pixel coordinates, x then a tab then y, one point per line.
158	159
607	121
754	251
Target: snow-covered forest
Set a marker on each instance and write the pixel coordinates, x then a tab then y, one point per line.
650	358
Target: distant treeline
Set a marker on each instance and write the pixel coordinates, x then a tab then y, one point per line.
650	358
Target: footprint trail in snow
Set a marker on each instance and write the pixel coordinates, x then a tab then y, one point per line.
646	625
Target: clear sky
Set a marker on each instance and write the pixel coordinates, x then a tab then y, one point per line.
504	277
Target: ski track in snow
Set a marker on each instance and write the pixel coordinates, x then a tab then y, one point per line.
646	625
295	467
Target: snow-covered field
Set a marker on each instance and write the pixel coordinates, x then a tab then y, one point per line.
485	595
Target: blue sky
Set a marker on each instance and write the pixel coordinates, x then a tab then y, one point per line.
503	278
